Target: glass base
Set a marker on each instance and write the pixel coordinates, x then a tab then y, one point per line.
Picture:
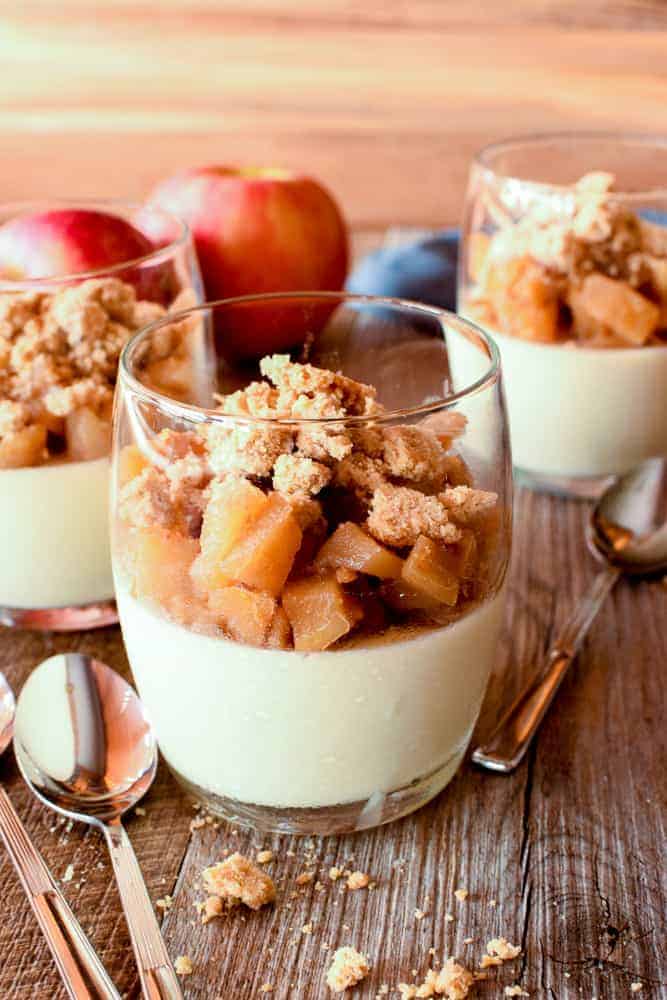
71	619
349	817
573	487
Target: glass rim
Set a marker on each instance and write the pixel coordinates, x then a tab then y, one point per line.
483	156
200	414
156	255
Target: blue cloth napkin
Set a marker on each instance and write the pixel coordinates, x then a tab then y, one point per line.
424	270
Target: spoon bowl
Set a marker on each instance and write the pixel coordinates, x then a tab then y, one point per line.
82	739
628	526
86	748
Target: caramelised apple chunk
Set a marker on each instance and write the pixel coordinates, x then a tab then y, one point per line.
618	307
263	558
161	561
24	447
88	436
351	547
131	463
233	507
430	568
245	614
319	611
280	632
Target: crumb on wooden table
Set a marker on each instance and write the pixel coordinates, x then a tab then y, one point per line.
348	967
183	966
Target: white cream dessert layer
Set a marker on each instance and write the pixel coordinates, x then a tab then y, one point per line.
54	535
577	411
292	729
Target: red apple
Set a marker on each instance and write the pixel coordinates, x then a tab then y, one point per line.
259	230
69	241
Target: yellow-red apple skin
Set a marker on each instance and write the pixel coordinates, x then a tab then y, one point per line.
72	241
259	231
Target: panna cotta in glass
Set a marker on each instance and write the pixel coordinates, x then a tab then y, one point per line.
60	340
310	583
564	262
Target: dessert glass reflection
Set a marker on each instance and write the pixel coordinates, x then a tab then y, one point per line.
60	340
564	262
309	571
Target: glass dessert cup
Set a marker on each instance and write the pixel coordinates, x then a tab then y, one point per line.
309	587
62	336
571	281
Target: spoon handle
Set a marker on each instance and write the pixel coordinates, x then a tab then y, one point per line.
158	979
509	741
82	972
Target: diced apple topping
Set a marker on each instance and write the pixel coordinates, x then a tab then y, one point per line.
263	558
618	307
245	614
430	568
87	435
131	463
24	447
524	299
233	507
162	561
319	611
351	547
280	631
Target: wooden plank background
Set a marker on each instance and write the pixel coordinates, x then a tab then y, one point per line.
386	100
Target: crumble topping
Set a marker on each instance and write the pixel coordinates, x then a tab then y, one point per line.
58	360
250	530
580	267
238	880
348	968
399	515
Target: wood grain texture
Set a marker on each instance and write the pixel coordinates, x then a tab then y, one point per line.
386	102
570	847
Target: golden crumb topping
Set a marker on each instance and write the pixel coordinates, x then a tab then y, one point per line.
238	880
348	968
58	361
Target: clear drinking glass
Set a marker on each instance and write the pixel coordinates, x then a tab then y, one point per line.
60	338
571	281
309	588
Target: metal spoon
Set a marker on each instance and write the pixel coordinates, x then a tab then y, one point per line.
628	532
83	974
86	748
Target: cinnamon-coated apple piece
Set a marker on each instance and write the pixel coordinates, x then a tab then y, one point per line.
87	435
263	559
525	300
430	568
233	507
23	448
245	614
350	546
319	611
